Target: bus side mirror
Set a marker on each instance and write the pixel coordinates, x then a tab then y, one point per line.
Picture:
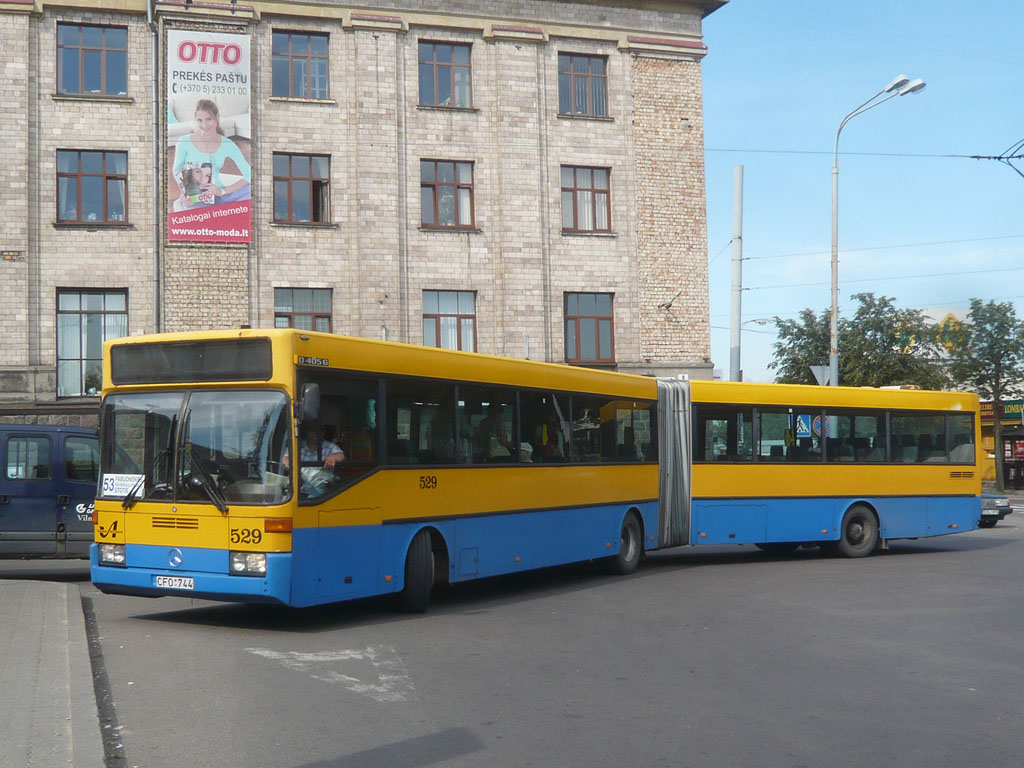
309	403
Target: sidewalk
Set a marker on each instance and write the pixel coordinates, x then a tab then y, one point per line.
48	711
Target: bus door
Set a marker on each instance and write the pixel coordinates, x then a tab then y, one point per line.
76	492
674	449
28	513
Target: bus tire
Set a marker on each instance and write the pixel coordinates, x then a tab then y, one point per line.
858	535
419	574
631	547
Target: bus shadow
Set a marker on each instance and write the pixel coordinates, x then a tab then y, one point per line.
431	749
465	598
485	595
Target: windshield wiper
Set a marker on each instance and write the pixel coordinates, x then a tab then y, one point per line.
130	498
199	469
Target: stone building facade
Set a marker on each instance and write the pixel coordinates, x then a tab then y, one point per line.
584	239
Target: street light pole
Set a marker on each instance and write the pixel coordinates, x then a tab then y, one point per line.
900	86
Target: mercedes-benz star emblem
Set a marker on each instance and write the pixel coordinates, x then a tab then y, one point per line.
174	557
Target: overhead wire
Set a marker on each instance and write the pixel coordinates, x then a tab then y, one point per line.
887	247
892	277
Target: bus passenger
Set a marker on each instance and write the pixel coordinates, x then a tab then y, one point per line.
551	438
492	437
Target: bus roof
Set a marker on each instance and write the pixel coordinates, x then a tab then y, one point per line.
325	351
835	397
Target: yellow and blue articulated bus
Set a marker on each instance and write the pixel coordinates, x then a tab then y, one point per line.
303	468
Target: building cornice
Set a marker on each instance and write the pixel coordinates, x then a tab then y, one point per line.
644	41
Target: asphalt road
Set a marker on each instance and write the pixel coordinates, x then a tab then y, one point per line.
714	657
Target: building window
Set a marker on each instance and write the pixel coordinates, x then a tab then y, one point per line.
449	320
589	328
92	60
91	186
308	309
302	185
586	204
85	319
445	75
300	65
446	194
582	85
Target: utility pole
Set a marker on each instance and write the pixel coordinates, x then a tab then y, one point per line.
735	372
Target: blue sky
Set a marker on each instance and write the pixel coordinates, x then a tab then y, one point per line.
779	77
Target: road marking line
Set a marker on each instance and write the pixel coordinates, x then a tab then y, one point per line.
390	681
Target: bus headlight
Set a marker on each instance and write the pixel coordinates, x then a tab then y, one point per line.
112	554
249	563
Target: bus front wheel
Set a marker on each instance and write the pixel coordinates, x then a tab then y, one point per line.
858	534
419	574
631	546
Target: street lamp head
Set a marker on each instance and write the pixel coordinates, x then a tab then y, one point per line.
896	84
914	86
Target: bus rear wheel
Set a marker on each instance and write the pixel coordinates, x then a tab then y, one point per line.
858	535
419	574
631	546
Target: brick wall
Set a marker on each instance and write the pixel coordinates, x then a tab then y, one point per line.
373	253
15	132
671	226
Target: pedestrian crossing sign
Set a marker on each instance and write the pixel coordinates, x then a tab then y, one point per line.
803	425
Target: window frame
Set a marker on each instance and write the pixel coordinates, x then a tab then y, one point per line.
576	358
308	57
313	315
435	184
82	360
82	48
568	56
291	179
594	190
106	178
452	68
458	315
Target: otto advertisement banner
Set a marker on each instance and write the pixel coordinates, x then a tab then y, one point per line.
209	137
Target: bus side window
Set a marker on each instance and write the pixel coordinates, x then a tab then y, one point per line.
487	425
634	430
348	420
723	433
421	422
593	429
543	432
960	428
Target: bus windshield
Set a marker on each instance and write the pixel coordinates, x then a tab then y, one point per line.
220	447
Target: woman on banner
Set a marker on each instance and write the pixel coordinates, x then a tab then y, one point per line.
208	144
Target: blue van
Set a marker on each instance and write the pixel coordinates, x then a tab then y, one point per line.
47	488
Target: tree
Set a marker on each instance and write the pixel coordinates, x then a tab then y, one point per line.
802	343
880	345
885	345
987	358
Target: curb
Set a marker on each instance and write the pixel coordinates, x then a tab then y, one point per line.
86	741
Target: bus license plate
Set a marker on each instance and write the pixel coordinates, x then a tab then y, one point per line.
175	582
